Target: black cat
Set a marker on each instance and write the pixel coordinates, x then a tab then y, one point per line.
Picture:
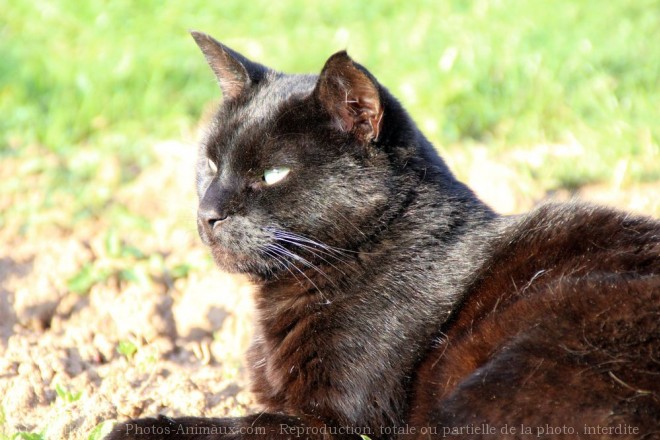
392	302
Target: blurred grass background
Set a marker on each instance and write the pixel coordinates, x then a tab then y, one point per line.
86	82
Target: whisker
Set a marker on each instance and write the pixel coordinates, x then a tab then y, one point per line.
341	251
349	222
315	252
281	263
307	263
279	248
311	241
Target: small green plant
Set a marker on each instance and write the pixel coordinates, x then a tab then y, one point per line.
28	436
88	276
66	395
100	430
127	348
125	263
147	361
180	270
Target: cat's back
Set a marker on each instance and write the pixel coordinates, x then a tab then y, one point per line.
562	324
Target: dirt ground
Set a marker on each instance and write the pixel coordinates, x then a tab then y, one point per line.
63	370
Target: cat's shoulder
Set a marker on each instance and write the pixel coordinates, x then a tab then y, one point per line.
565	286
555	247
577	228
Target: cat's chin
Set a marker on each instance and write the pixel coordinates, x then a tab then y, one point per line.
233	263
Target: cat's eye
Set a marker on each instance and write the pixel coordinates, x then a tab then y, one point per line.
275	175
212	166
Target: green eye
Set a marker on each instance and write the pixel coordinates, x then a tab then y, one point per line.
274	175
212	166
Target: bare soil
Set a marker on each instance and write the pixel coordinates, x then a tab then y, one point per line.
189	333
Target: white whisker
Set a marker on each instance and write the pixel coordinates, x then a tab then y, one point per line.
279	250
315	252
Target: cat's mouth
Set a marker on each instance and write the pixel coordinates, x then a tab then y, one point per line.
270	253
231	261
259	267
235	250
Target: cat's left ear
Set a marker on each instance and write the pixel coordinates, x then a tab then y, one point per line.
351	95
234	72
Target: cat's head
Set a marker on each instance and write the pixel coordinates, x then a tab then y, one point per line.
292	167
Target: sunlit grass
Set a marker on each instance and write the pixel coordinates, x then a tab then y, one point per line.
91	82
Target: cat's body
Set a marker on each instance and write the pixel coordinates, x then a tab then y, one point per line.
392	302
560	329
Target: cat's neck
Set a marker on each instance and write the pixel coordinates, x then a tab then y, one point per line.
429	223
388	300
419	252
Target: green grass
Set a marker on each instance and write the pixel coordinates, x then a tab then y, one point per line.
66	395
127	348
82	82
24	436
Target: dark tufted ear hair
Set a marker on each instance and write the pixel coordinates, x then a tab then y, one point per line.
351	95
234	72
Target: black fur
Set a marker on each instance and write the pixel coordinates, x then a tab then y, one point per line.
391	301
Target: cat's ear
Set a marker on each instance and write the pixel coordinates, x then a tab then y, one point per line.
351	95
233	71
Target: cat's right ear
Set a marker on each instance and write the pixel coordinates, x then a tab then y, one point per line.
234	72
351	96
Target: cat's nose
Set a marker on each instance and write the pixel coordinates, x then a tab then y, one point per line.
212	217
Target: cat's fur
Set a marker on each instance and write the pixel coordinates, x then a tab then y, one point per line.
390	299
